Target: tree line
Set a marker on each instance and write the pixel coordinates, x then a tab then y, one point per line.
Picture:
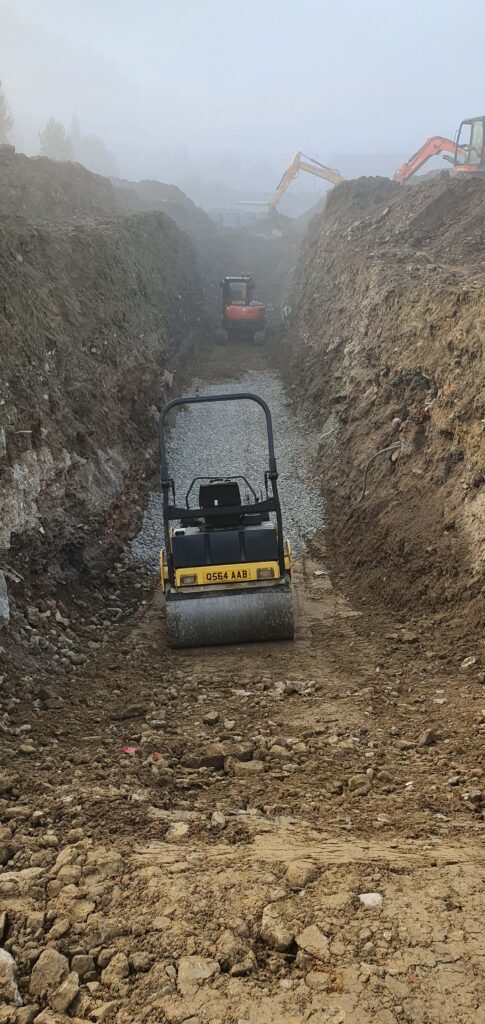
58	143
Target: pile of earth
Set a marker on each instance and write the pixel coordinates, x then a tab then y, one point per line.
100	294
389	314
94	318
146	196
45	190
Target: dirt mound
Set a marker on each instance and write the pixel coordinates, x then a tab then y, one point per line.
391	320
353	199
44	190
155	195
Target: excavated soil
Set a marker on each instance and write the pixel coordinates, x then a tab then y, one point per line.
275	833
390	317
96	314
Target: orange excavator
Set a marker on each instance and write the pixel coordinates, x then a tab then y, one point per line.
242	316
466	152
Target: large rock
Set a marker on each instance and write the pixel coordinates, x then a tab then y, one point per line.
274	930
314	942
8	984
192	971
50	970
117	970
212	756
301	873
83	964
62	998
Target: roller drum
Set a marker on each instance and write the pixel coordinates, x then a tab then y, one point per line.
231	616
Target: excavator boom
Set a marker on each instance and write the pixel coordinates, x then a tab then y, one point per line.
432	147
310	166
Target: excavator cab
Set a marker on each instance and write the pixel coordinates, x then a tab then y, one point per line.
470	147
466	152
242	316
237	291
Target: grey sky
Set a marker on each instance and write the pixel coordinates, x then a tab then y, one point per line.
180	82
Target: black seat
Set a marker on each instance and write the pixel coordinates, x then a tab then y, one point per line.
220	494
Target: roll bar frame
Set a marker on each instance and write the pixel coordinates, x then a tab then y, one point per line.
174	512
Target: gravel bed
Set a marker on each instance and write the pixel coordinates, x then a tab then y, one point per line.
228	438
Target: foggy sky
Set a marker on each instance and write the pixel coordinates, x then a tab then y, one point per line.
231	88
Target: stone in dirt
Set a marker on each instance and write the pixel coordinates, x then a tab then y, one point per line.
358	781
427	738
7	850
244	967
212	757
102	1012
4	601
83	964
140	962
274	930
117	969
50	970
244	768
62	998
301	873
314	942
280	753
317	981
25	1015
211	717
370	899
192	971
59	928
8	984
218	820
46	1017
178	830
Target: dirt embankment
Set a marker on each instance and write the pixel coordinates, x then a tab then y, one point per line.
92	314
43	190
390	316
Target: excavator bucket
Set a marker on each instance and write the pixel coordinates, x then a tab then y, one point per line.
226	569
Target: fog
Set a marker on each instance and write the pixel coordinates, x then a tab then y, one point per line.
216	96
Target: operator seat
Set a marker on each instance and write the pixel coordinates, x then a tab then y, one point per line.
220	494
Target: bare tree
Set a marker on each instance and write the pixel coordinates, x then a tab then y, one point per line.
55	141
6	122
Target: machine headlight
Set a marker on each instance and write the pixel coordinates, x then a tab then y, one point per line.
265	574
187	581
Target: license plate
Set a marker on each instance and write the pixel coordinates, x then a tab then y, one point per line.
226	576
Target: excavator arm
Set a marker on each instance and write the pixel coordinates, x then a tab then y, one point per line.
310	166
432	147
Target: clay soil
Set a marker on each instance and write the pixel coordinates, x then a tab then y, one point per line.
200	826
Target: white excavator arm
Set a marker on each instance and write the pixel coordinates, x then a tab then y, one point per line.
310	166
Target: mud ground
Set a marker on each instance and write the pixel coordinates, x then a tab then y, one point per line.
193	836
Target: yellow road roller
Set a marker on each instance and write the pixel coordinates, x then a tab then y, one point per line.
226	567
